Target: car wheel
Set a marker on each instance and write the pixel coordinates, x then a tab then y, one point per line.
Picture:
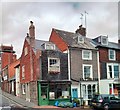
106	107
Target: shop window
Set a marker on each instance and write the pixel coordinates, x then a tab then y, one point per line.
58	91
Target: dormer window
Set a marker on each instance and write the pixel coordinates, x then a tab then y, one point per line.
49	46
104	40
80	39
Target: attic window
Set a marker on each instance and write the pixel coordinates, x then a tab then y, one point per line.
80	39
50	46
104	40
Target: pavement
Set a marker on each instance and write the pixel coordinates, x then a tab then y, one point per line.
29	105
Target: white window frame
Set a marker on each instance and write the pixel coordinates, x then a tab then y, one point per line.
25	51
81	39
58	64
91	71
23	89
113	53
112	65
102	38
50	45
90	54
23	71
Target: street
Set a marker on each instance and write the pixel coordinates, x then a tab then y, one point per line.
7	104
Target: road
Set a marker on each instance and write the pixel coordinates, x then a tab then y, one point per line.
7	104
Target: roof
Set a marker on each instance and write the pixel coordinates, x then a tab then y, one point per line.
39	44
70	37
111	45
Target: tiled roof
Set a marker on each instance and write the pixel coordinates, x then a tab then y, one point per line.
70	39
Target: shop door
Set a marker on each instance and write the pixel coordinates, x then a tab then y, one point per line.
44	95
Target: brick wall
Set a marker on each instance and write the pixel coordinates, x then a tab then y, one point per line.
56	39
33	92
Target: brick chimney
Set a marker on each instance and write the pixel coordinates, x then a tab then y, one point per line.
81	30
32	30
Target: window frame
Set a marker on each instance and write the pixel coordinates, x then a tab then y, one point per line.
113	72
23	71
114	53
83	54
57	65
91	71
23	89
25	51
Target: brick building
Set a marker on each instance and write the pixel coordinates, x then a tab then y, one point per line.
109	59
41	69
7	58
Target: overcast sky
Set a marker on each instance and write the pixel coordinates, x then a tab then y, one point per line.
102	19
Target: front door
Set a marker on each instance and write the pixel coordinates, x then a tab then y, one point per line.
44	95
75	93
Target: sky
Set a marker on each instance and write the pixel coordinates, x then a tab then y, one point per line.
101	19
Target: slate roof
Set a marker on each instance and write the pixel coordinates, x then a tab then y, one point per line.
111	45
70	39
39	44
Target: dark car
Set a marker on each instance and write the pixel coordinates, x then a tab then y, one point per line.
105	102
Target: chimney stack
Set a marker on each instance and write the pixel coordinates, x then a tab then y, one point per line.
81	30
32	30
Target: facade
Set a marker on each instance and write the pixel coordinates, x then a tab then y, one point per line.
82	61
12	77
17	77
54	84
109	59
41	70
7	57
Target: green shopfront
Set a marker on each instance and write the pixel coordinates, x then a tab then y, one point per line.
51	91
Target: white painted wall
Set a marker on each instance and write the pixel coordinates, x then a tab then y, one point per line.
17	77
104	86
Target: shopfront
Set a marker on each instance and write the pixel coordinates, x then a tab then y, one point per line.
50	92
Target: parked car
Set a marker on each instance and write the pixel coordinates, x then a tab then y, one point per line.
105	101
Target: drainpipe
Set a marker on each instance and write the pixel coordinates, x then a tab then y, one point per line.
98	72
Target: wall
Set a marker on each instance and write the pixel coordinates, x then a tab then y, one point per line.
56	39
77	64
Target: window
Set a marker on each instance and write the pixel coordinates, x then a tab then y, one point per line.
80	39
53	65
26	51
58	91
112	70
87	71
23	71
112	55
50	46
23	89
116	71
104	40
86	54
